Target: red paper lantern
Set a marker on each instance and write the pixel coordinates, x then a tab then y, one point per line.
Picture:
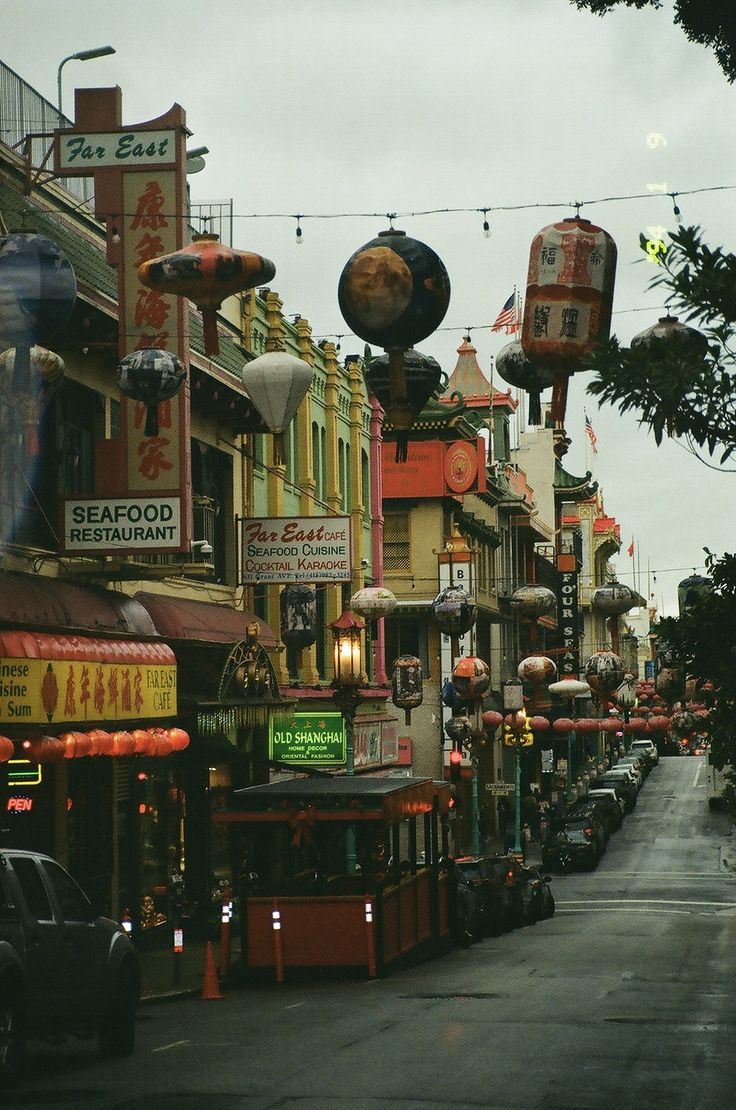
162	745
142	741
562	724
206	272
122	744
46	750
101	742
82	744
179	738
610	724
538	724
7	748
491	719
587	724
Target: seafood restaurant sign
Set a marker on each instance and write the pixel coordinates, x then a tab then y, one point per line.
296	549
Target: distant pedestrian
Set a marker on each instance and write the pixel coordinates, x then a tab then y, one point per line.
503	809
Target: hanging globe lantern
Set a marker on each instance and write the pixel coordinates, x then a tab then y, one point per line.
516	369
536	669
39	290
43	372
569	299
47	368
538	724
406	684
458	729
123	744
692	591
454	611
178	737
532	601
613	599
277	383
471	677
491	719
151	375
562	724
373	602
422	375
206	272
394	291
46	750
450	697
569	687
669	334
7	749
604	672
298	605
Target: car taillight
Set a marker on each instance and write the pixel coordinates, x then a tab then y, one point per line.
588	832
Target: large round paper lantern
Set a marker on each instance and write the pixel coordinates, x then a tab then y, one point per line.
692	591
613	599
298	605
179	738
394	291
569	299
562	724
151	375
532	601
471	677
46	750
604	672
538	724
670	335
277	383
7	749
516	369
39	290
491	719
454	611
206	272
569	687
373	602
536	669
26	392
406	684
458	729
123	744
421	377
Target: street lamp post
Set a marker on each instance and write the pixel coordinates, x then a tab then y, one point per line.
569	688
348	677
80	56
513	702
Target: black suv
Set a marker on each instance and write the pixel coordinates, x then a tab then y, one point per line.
503	890
63	969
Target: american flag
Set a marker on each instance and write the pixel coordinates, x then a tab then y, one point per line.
507	317
591	434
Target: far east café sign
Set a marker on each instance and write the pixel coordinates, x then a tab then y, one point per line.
140	192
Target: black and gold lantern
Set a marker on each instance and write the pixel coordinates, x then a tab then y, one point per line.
406	684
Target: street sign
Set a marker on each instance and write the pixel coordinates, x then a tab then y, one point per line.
497	788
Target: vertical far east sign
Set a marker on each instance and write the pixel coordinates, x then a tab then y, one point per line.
296	549
140	191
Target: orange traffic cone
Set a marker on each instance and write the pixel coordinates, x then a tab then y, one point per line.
210	985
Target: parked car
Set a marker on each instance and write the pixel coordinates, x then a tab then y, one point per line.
624	771
632	764
605	810
623	785
542	904
570	843
502	887
637	761
63	969
466	905
648	747
613	794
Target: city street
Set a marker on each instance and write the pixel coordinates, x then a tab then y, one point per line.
624	999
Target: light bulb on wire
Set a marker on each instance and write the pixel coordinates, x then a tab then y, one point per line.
486	225
299	237
675	209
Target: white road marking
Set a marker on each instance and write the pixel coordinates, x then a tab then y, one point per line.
636	909
642	902
698	773
166	1047
294	1006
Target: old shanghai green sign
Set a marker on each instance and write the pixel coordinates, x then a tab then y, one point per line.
317	738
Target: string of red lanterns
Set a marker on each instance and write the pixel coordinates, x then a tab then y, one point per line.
74	745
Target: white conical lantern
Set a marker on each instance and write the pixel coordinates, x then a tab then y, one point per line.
277	383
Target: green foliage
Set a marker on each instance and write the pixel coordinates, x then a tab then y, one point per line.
707	22
705	642
675	391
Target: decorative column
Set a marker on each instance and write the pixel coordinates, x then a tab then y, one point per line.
376	511
307	503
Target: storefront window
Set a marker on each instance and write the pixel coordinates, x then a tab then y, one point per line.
161	814
220	787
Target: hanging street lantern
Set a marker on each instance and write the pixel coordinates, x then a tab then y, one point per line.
604	672
516	369
458	729
39	289
277	383
692	591
454	611
670	335
373	602
151	375
613	599
406	684
394	291
569	299
206	272
422	375
491	719
536	670
298	608
471	678
43	374
532	601
347	651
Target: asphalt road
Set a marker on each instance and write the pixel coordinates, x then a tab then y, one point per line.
623	1000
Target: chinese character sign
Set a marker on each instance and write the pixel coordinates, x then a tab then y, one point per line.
569	295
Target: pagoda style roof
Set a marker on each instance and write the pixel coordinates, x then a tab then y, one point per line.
467	378
438	416
568	487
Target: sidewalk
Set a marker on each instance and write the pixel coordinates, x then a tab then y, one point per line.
165	976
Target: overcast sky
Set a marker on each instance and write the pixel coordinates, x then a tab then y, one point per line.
325	107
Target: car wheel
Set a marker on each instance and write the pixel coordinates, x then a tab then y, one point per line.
12	1039
116	1033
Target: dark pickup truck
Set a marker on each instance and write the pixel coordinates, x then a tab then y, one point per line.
63	969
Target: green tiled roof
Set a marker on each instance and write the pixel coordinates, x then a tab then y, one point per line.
572	488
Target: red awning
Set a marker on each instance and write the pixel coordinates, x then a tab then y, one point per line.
35	601
86	649
178	618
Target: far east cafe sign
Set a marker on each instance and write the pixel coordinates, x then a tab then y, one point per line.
143	497
296	549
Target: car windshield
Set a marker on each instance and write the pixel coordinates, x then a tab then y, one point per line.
469	868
